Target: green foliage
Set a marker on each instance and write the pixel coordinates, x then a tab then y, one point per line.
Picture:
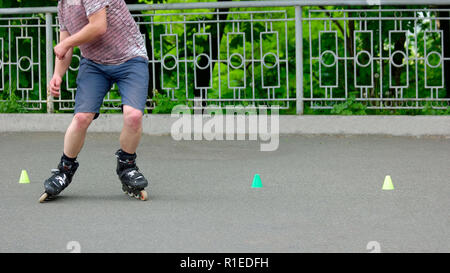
429	110
349	107
164	104
243	76
11	104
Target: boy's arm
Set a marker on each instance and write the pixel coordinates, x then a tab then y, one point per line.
97	26
61	66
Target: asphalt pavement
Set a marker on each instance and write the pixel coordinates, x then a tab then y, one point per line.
319	194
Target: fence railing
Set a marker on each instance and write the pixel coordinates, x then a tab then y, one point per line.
295	54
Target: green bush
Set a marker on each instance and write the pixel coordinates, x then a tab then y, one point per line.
11	104
349	107
164	104
429	110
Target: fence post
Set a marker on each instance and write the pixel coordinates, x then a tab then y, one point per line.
299	57
49	57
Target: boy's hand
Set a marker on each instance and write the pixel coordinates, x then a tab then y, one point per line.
55	85
61	50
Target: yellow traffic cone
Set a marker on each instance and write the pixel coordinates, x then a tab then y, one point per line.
24	178
388	183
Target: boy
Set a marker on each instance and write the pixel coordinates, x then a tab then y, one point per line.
113	51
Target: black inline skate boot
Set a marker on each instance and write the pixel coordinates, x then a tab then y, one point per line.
61	178
133	182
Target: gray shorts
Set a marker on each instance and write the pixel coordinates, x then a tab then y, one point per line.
95	80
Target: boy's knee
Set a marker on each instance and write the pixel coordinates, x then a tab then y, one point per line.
133	119
83	120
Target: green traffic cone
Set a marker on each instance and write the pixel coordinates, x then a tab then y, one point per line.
24	179
257	182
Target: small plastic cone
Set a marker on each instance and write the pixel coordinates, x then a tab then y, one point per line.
24	179
388	183
257	182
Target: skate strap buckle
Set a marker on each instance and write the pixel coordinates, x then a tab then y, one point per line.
55	171
126	161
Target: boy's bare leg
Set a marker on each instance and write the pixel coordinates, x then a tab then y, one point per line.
76	134
132	129
133	181
73	142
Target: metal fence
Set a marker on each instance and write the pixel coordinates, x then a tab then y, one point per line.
295	54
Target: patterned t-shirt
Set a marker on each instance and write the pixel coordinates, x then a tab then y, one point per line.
122	40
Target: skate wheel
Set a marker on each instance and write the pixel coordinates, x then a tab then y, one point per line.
43	197
143	196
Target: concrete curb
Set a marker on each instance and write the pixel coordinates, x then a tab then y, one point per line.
302	125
